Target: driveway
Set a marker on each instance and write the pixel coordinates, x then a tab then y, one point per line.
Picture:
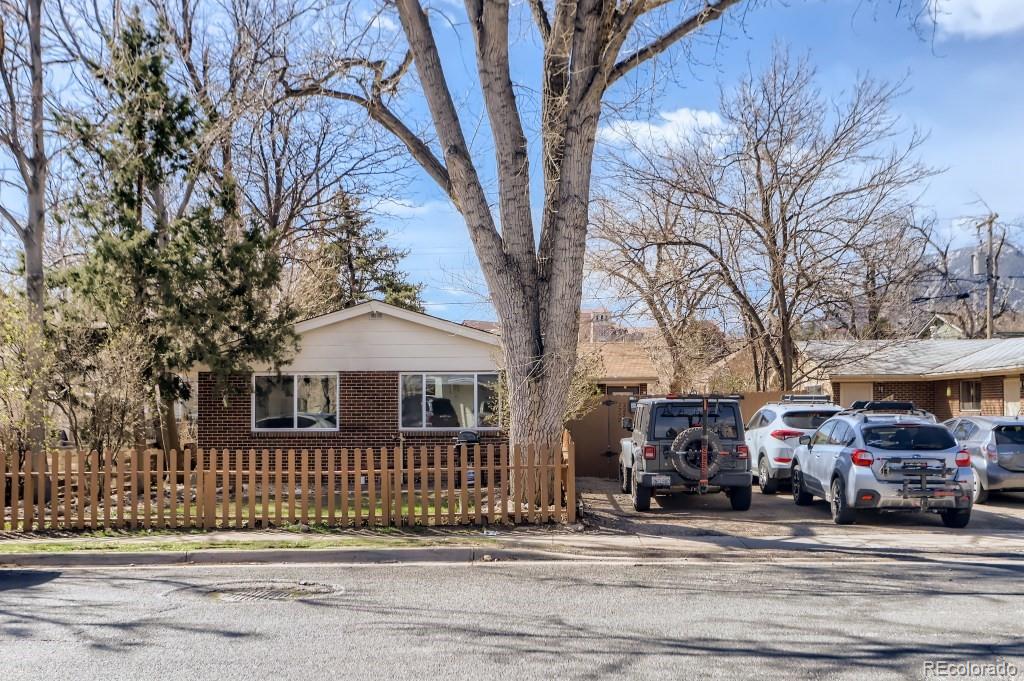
777	516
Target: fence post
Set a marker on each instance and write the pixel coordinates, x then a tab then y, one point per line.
54	489
209	477
28	494
570	480
3	488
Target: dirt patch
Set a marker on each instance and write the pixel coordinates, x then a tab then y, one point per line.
607	508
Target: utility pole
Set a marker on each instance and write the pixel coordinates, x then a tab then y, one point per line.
990	276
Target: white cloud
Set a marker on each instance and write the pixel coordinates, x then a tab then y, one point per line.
399	208
377	19
669	127
978	18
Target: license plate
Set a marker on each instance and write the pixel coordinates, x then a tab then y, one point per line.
662	480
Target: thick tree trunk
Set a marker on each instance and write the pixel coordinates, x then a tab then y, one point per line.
36	349
169	436
536	289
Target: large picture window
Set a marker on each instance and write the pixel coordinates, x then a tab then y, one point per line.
449	401
295	402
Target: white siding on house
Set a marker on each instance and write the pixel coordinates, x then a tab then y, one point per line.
387	343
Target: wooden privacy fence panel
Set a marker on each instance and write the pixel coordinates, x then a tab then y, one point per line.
234	488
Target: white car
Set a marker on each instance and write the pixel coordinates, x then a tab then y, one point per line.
774	432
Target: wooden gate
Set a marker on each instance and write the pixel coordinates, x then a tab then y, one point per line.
597	438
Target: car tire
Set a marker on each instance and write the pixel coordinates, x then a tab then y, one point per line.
740	497
956	517
765	481
624	474
641	496
801	497
980	494
842	513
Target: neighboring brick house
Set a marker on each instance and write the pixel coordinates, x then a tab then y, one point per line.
946	377
369	376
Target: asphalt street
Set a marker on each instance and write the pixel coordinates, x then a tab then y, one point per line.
813	620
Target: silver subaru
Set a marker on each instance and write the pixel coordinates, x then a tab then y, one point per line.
886	462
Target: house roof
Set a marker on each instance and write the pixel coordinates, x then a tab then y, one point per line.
376	306
940	318
483	325
926	359
622	361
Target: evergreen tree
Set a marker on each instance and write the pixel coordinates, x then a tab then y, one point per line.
352	264
194	280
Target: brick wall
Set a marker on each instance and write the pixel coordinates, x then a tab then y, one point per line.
369	417
921	393
836	393
932	395
948	406
992	396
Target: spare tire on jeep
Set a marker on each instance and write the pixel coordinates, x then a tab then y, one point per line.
686	453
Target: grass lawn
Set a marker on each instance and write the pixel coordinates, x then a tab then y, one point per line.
43	546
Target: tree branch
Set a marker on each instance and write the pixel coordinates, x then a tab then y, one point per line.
380	113
540	16
710	12
466	189
489	21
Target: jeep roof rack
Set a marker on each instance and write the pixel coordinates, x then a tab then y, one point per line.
691	396
792	398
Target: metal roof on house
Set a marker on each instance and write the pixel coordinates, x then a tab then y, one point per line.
931	358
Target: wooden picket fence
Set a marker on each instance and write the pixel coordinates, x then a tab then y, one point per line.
221	488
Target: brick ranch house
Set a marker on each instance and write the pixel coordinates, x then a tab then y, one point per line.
947	377
372	375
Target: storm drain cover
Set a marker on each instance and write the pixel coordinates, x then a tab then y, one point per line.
267	591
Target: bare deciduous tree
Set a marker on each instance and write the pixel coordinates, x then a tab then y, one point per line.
672	286
535	284
784	198
23	137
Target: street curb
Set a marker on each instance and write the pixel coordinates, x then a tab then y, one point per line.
434	554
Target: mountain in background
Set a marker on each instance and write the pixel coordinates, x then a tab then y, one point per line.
962	279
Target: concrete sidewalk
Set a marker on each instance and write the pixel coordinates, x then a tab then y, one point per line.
528	544
875	545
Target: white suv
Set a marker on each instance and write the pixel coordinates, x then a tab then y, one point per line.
774	432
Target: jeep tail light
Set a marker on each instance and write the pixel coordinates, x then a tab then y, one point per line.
992	452
742	452
650	452
963	459
786	433
862	457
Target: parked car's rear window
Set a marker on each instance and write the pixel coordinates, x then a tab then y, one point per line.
908	437
806	420
1009	435
672	419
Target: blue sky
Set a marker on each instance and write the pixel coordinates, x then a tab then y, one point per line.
963	75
